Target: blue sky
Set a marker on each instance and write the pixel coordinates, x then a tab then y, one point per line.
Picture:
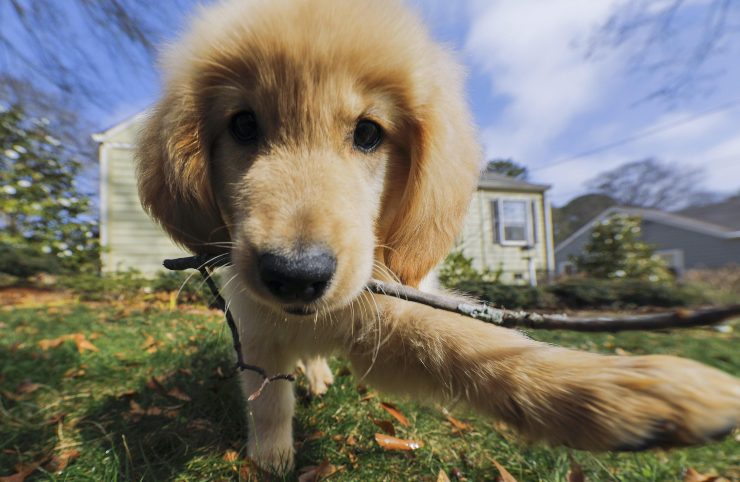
541	99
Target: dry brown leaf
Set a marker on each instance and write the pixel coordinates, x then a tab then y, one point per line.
351	440
575	474
82	343
384	425
23	471
692	475
178	394
315	473
389	442
369	396
61	461
127	393
395	413
52	343
26	387
504	475
442	476
230	456
458	426
314	436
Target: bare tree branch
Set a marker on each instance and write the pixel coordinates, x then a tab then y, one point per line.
508	318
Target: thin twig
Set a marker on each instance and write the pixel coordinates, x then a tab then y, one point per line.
205	264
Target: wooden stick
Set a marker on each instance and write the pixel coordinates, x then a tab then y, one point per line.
511	318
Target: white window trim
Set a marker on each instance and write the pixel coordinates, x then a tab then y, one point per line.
678	254
501	227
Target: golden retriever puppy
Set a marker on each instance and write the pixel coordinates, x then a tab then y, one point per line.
322	142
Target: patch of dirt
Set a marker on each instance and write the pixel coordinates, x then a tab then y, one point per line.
25	297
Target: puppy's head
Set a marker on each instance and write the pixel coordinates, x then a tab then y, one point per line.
317	141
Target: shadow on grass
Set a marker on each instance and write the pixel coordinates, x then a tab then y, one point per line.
147	433
154	436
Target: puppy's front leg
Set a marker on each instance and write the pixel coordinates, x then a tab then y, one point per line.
566	397
270	415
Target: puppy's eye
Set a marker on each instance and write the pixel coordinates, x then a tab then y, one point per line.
244	128
368	135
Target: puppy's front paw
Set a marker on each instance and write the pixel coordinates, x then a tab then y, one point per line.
319	375
637	403
275	458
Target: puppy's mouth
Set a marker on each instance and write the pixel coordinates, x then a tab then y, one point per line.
300	310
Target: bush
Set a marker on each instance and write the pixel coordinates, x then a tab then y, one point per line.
508	296
132	284
615	251
598	293
24	261
583	293
458	268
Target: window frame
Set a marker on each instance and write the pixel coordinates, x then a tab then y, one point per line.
501	224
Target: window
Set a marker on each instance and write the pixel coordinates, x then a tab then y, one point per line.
673	259
513	221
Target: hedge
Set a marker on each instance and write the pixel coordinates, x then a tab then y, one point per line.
584	293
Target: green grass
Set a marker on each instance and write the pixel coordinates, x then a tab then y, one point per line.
83	402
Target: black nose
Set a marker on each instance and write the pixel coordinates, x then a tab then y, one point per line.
300	276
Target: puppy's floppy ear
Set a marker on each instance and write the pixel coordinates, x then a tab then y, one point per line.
173	174
442	176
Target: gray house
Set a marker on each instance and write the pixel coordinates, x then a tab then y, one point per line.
684	242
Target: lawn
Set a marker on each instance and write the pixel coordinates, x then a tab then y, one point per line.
121	391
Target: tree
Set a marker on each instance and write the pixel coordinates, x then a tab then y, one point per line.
649	183
580	210
45	220
710	28
508	167
615	251
55	46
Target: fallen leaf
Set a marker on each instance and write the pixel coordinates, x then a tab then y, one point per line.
395	413
575	474
315	473
230	456
52	343
200	424
457	425
442	476
692	475
504	475
351	440
26	387
178	394
314	436
384	425
61	461
127	393
23	471
55	419
389	442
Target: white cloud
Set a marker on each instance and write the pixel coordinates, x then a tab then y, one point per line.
534	53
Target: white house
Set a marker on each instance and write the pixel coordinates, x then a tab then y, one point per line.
508	227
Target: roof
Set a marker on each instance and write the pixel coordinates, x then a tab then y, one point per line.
725	213
100	137
493	180
656	216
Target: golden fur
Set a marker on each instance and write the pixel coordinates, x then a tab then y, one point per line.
309	69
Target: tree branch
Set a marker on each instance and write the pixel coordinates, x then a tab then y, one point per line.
507	318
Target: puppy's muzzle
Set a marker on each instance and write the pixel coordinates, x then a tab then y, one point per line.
299	276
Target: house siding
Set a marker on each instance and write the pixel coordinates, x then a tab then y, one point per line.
131	239
699	250
478	240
